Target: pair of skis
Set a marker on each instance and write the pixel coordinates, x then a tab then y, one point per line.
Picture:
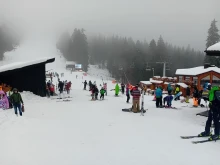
199	141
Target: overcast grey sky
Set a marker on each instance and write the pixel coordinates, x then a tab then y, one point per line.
180	22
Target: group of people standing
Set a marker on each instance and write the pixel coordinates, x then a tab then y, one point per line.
61	87
11	100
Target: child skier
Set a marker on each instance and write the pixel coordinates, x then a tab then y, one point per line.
102	92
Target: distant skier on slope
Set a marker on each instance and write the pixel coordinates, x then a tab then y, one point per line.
122	88
60	88
117	89
128	92
85	84
105	88
102	93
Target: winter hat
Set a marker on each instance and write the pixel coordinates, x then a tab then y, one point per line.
15	89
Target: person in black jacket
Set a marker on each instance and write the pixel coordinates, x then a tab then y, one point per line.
195	96
60	87
122	88
187	94
85	84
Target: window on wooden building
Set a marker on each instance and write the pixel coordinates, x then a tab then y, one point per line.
215	81
204	80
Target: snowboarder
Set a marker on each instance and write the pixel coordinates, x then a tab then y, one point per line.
117	89
122	88
158	94
214	112
136	99
128	92
16	100
85	84
177	90
102	92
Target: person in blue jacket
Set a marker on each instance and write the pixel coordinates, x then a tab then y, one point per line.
158	94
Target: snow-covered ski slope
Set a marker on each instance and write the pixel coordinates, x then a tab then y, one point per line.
84	132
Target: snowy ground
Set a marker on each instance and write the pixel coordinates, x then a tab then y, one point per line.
84	132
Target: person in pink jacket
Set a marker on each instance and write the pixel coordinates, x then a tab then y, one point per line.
4	104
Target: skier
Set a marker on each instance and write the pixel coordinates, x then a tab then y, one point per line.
122	88
128	92
16	100
85	84
214	112
60	87
158	94
68	86
136	99
102	92
169	89
117	89
187	94
96	92
105	88
90	85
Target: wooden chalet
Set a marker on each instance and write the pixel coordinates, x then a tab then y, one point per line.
199	76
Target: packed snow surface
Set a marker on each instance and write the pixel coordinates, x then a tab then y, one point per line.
196	71
215	47
85	132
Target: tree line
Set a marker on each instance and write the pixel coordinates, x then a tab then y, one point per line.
133	61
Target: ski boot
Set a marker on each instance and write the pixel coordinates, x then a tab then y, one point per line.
204	134
214	137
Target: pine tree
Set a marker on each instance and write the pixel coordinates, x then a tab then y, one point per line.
213	37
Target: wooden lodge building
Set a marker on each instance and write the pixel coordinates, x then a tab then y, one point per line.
199	76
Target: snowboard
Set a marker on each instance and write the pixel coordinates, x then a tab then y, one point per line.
177	95
130	110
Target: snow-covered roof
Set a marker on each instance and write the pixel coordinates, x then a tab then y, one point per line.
146	82
196	71
215	47
156	76
155	81
17	65
182	85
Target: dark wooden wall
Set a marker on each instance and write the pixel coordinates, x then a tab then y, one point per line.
30	78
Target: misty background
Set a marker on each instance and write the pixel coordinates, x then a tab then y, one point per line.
179	27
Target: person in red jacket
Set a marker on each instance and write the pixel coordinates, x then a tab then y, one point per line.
68	86
136	99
